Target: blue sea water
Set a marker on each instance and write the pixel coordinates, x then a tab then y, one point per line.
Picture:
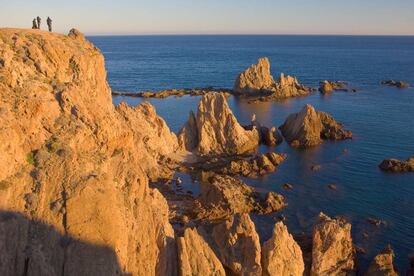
381	118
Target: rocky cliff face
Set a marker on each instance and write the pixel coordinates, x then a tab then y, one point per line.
383	264
75	169
257	80
215	130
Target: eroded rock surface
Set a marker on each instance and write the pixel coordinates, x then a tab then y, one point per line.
257	80
332	248
196	257
281	255
75	169
383	264
218	131
238	245
308	127
397	166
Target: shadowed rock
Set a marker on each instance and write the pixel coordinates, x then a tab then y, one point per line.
383	265
398	84
397	166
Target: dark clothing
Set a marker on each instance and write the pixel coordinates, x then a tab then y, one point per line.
49	24
39	20
34	26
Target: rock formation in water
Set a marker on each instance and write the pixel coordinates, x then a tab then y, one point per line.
257	80
238	245
397	166
308	127
328	86
215	130
332	249
196	257
75	169
223	196
398	84
383	264
281	255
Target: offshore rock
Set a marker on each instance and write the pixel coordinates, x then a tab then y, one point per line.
398	84
308	127
74	169
215	130
257	80
238	245
383	264
332	249
281	255
397	166
328	86
196	257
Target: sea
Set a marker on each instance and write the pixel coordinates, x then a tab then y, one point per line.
380	117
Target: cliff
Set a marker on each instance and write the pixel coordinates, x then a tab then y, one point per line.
74	171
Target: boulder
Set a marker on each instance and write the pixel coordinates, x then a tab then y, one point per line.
222	196
328	86
196	257
398	84
257	80
238	245
281	255
270	137
308	127
383	264
332	248
397	166
215	130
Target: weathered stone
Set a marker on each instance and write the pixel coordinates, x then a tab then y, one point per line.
398	166
238	245
217	129
332	249
383	264
281	255
308	127
398	84
196	257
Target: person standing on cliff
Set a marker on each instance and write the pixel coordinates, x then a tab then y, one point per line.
49	23
39	20
34	26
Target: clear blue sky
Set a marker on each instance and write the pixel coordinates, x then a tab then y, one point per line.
388	17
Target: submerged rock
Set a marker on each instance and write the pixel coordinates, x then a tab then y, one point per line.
397	166
196	257
281	255
257	80
383	264
398	84
215	130
308	127
332	249
238	245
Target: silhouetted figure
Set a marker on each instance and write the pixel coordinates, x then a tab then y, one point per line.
34	26
49	23
39	20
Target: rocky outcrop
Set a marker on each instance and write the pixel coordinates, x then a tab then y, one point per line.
217	129
281	255
196	257
257	80
270	137
383	264
398	84
238	245
397	166
178	93
223	196
328	86
308	127
75	169
332	248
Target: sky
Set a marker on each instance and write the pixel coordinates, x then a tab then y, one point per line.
153	17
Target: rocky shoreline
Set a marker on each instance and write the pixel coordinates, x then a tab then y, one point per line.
86	188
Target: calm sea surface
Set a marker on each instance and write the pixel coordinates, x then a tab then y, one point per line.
381	118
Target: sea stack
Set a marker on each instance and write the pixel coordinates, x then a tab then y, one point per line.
257	80
309	127
215	130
